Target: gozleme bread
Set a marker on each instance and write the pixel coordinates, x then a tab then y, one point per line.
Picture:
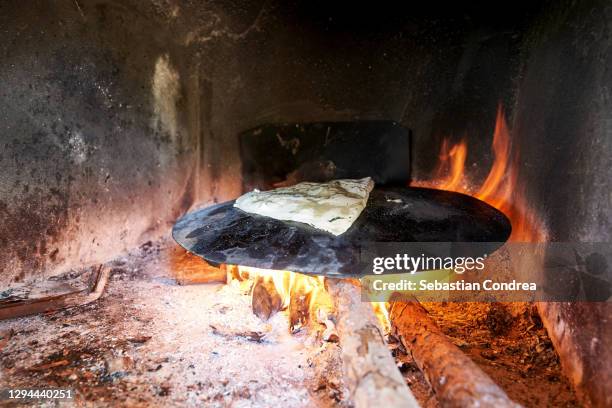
331	206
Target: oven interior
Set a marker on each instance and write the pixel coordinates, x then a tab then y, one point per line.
119	117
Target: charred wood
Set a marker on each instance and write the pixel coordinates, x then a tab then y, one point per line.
62	300
299	310
325	318
230	334
265	299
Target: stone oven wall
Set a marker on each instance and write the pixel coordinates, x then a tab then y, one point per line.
562	124
96	151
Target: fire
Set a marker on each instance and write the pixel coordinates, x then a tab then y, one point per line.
495	190
451	168
291	285
287	283
501	187
294	285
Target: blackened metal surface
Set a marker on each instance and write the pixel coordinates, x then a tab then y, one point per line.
224	234
323	151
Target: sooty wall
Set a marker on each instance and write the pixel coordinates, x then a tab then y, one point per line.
563	119
96	153
562	124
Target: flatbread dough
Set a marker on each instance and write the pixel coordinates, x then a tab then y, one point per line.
331	206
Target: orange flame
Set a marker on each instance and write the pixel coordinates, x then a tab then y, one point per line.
494	190
452	162
381	310
289	284
450	172
501	187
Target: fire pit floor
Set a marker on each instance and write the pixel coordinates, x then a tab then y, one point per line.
508	342
151	342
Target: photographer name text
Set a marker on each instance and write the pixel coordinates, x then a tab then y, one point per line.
426	285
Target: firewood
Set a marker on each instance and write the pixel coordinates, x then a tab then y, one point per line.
456	380
299	310
232	273
229	333
330	334
265	299
371	374
53	303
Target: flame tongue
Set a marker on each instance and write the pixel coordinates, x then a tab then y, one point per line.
451	167
495	190
303	297
501	187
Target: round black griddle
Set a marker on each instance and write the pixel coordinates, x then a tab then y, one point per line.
224	234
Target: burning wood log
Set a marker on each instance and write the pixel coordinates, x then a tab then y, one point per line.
299	309
265	299
454	377
371	374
